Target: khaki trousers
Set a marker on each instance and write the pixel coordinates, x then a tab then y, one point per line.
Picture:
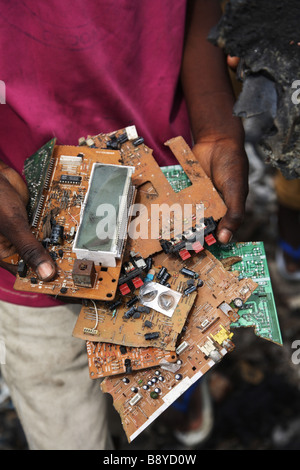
46	370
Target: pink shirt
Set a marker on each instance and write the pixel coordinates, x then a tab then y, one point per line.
73	68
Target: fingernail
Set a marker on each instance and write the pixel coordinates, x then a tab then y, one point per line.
45	270
225	236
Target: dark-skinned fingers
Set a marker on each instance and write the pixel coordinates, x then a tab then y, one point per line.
235	200
35	255
15	228
17	231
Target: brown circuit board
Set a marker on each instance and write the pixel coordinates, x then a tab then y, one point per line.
111	359
142	396
62	201
154	190
219	284
204	341
101	322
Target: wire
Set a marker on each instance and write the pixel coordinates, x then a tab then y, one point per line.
96	311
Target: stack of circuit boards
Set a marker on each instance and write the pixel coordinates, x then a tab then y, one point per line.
155	315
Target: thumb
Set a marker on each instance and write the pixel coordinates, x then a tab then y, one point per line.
34	255
232	220
15	228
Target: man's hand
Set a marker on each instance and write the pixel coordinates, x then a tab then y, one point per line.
217	134
15	233
227	166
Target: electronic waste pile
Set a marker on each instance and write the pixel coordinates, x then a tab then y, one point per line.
157	312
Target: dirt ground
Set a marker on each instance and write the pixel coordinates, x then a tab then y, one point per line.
255	389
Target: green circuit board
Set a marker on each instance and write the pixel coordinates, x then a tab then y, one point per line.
37	169
176	177
260	310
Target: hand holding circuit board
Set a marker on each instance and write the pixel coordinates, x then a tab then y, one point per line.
16	235
126	334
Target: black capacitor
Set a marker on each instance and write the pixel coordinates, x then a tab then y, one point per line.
138	141
115	304
166	246
164	278
200	283
143	309
63	290
129	312
161	272
188	272
149	263
122	138
132	301
149	336
189	290
57	235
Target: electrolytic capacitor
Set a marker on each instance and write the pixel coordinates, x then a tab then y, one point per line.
149	263
161	272
129	312
164	278
132	301
189	290
115	304
57	234
189	273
